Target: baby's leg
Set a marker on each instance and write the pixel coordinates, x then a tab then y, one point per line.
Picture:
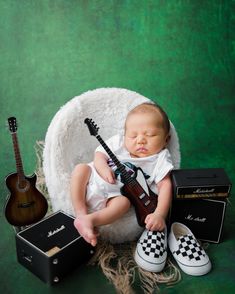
79	180
78	185
116	207
86	224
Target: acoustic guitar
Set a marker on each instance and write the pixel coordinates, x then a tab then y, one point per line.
25	205
135	187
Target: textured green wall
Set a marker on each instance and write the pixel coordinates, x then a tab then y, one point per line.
180	53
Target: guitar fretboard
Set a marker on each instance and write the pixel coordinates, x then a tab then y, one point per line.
19	165
127	177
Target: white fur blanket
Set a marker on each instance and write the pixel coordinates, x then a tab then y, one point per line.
68	143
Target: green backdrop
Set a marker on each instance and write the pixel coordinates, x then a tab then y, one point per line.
180	53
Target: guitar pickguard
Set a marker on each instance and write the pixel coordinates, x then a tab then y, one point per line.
140	178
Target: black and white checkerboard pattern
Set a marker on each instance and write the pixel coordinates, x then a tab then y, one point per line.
189	247
154	244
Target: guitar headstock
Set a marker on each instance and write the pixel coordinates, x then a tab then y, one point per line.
93	129
12	124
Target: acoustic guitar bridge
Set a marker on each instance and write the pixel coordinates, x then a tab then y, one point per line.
26	205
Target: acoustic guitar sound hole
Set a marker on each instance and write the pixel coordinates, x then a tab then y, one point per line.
23	186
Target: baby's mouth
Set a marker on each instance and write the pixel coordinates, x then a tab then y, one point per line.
142	149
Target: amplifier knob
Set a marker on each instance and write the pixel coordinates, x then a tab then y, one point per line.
56	279
55	261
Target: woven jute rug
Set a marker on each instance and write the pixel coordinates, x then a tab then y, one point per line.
116	260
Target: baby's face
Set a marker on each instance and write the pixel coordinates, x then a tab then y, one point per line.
144	134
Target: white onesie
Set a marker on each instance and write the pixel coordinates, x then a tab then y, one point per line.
155	168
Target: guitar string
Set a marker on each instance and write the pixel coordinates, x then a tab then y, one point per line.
120	166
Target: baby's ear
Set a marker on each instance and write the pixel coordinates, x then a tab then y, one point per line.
168	137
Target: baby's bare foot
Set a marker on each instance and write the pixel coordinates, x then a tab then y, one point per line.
86	229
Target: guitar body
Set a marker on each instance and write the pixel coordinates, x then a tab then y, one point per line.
141	197
25	205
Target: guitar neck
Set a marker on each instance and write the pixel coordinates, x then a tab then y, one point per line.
19	165
114	158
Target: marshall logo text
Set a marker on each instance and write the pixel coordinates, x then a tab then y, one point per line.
52	233
200	191
190	217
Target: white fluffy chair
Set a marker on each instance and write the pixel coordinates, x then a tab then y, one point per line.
68	143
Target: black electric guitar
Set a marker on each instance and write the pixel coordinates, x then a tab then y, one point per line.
25	204
135	187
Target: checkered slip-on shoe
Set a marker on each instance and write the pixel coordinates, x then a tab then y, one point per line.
189	255
150	253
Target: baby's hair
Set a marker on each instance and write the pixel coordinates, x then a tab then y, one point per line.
149	107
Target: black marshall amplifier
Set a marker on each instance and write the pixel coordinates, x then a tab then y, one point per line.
52	248
200	183
204	217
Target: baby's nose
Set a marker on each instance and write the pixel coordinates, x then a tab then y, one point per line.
141	139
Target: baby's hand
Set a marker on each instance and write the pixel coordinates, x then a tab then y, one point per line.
102	168
108	175
155	222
